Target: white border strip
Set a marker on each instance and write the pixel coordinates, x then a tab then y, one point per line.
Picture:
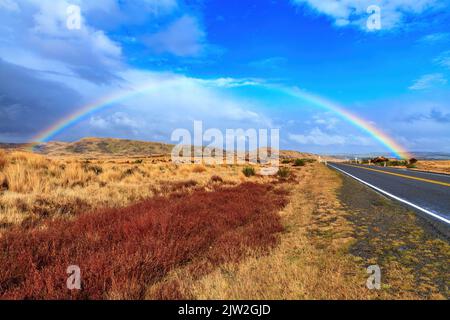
395	197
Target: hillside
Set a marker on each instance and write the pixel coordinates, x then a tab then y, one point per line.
118	147
289	154
105	146
13	146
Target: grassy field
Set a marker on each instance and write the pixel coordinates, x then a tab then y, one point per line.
145	228
434	166
35	188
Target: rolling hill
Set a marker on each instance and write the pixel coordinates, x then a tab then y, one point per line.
117	147
104	146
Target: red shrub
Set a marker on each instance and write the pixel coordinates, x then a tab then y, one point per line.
122	251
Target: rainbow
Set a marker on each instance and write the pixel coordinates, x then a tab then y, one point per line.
380	136
89	109
86	111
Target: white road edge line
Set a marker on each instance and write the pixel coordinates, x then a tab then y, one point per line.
395	197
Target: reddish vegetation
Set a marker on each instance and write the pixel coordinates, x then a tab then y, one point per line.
122	251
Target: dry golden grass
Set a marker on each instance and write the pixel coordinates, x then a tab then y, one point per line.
199	168
2	159
442	166
34	187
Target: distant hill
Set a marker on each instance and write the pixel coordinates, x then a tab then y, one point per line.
432	155
118	147
419	155
10	146
104	146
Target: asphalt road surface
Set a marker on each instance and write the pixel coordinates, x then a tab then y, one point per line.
428	193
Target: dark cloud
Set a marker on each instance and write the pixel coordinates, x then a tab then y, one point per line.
29	103
434	115
439	116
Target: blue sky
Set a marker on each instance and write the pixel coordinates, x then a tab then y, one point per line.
219	61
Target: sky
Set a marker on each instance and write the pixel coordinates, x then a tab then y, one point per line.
229	64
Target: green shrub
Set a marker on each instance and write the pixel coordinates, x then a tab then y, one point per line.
411	166
299	163
248	171
397	163
286	161
284	173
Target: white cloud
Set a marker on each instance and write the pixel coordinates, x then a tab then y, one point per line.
231	82
326	120
118	122
429	81
354	12
318	137
435	37
116	119
443	60
184	97
34	33
69	68
184	37
38	31
171	102
9	5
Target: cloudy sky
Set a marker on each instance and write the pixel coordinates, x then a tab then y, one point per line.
224	62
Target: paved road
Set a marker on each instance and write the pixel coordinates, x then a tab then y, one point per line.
427	192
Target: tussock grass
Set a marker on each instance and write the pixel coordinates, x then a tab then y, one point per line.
199	168
30	182
2	159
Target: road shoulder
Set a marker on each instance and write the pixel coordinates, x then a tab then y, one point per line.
413	256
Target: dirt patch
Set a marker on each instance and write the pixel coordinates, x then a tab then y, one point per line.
414	259
122	251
